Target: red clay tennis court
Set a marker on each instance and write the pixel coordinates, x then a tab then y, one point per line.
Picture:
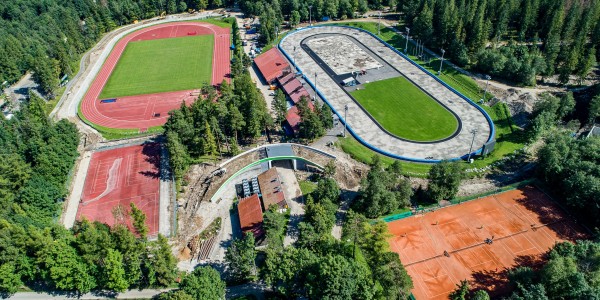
522	225
117	177
149	110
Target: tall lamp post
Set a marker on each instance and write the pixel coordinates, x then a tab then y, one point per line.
487	78
345	118
406	46
294	57
441	62
315	98
310	15
474	132
379	25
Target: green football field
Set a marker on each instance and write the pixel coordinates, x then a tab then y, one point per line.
404	110
161	65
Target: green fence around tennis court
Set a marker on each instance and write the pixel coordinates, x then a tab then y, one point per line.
397	216
459	200
503	189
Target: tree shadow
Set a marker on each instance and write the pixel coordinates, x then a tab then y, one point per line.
217	265
495	282
292	229
236	229
42	287
105	294
152	154
548	214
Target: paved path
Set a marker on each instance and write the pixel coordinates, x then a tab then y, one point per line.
256	289
165	193
74	197
295	203
365	127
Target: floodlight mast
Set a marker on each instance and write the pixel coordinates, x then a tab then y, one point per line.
315	98
406	46
310	15
474	132
379	25
487	78
441	62
345	118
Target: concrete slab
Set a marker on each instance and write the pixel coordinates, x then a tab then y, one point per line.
341	54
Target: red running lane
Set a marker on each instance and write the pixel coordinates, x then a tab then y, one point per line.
135	178
138	112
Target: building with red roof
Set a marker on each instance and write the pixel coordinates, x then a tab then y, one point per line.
296	95
251	216
293	119
271	189
292	86
293	116
272	65
285	79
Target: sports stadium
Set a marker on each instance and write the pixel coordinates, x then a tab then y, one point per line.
152	71
389	103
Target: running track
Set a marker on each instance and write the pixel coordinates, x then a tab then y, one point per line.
137	112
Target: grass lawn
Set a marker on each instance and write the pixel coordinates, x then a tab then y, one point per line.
307	187
161	65
406	111
363	154
221	22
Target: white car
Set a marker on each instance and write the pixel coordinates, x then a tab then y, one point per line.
272	94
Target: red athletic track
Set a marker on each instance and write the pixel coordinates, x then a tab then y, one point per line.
138	111
137	181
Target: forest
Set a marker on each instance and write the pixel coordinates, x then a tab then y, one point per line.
35	250
48	37
520	41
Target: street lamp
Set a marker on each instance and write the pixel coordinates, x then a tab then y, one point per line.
294	56
310	15
406	46
474	132
487	78
441	62
379	25
315	86
345	118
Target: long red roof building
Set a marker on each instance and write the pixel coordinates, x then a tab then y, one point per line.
251	216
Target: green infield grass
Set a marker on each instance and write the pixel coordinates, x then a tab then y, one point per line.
161	65
405	111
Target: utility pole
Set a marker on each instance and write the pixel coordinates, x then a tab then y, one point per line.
441	62
310	15
345	118
474	132
487	77
406	46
